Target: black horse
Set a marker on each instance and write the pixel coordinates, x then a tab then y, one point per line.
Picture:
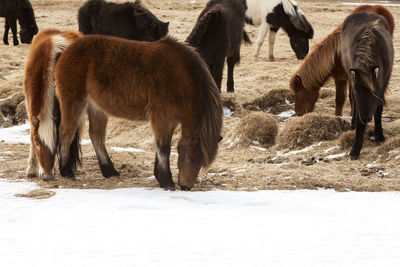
218	34
22	11
127	20
367	56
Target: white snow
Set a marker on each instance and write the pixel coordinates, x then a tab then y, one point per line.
16	134
286	114
227	112
335	156
144	227
126	149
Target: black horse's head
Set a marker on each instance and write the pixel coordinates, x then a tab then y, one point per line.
149	28
293	21
27	21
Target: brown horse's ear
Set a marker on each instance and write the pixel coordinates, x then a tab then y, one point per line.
296	83
36	123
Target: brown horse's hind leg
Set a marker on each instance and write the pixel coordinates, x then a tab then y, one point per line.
71	114
162	172
341	86
31	171
97	131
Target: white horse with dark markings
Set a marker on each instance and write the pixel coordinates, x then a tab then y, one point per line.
270	16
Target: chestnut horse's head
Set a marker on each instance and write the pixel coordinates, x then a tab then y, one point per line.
43	138
304	98
190	160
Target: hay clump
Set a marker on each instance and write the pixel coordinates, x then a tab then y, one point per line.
230	102
346	139
275	102
20	113
257	128
312	127
388	146
37	194
8	107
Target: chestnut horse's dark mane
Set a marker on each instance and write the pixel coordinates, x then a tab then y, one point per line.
209	122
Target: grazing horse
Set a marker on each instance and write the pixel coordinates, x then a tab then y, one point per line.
271	15
367	57
127	20
22	11
325	62
218	34
165	82
40	100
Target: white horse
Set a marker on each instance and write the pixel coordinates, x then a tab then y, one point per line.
270	15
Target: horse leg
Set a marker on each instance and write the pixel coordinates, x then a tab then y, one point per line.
353	109
358	142
271	39
31	170
379	137
262	32
6	30
341	86
13	25
97	132
231	62
163	134
71	114
217	71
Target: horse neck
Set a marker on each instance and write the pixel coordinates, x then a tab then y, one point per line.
319	65
364	48
26	16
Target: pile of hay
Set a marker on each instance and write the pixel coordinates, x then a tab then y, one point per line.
389	145
12	110
275	102
312	127
231	103
346	140
257	128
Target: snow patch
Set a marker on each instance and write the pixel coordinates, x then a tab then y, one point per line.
16	134
126	149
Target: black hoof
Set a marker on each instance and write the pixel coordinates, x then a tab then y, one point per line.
354	157
379	139
184	188
31	175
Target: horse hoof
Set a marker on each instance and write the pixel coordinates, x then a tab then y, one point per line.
184	188
354	157
169	188
271	58
255	58
31	175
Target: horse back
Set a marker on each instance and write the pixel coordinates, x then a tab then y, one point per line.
380	10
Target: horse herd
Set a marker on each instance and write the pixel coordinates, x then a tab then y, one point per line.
121	63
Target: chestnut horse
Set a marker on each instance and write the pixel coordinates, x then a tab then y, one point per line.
165	82
324	62
367	55
41	104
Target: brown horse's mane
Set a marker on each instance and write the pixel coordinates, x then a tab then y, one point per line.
318	65
209	118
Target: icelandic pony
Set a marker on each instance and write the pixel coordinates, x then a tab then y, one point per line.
271	15
165	82
41	103
325	62
367	56
22	11
126	20
217	35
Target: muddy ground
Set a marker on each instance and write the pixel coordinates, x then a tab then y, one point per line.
239	166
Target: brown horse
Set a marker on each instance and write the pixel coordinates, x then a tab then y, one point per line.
325	62
41	104
165	82
367	55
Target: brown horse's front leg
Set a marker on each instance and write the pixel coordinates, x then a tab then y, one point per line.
341	86
31	170
13	25
6	30
231	61
162	171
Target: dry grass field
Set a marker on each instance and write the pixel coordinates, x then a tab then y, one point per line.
307	153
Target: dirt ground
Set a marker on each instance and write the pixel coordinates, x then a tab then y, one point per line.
324	164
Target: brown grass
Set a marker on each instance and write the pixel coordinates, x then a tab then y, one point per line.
38	194
389	145
312	127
